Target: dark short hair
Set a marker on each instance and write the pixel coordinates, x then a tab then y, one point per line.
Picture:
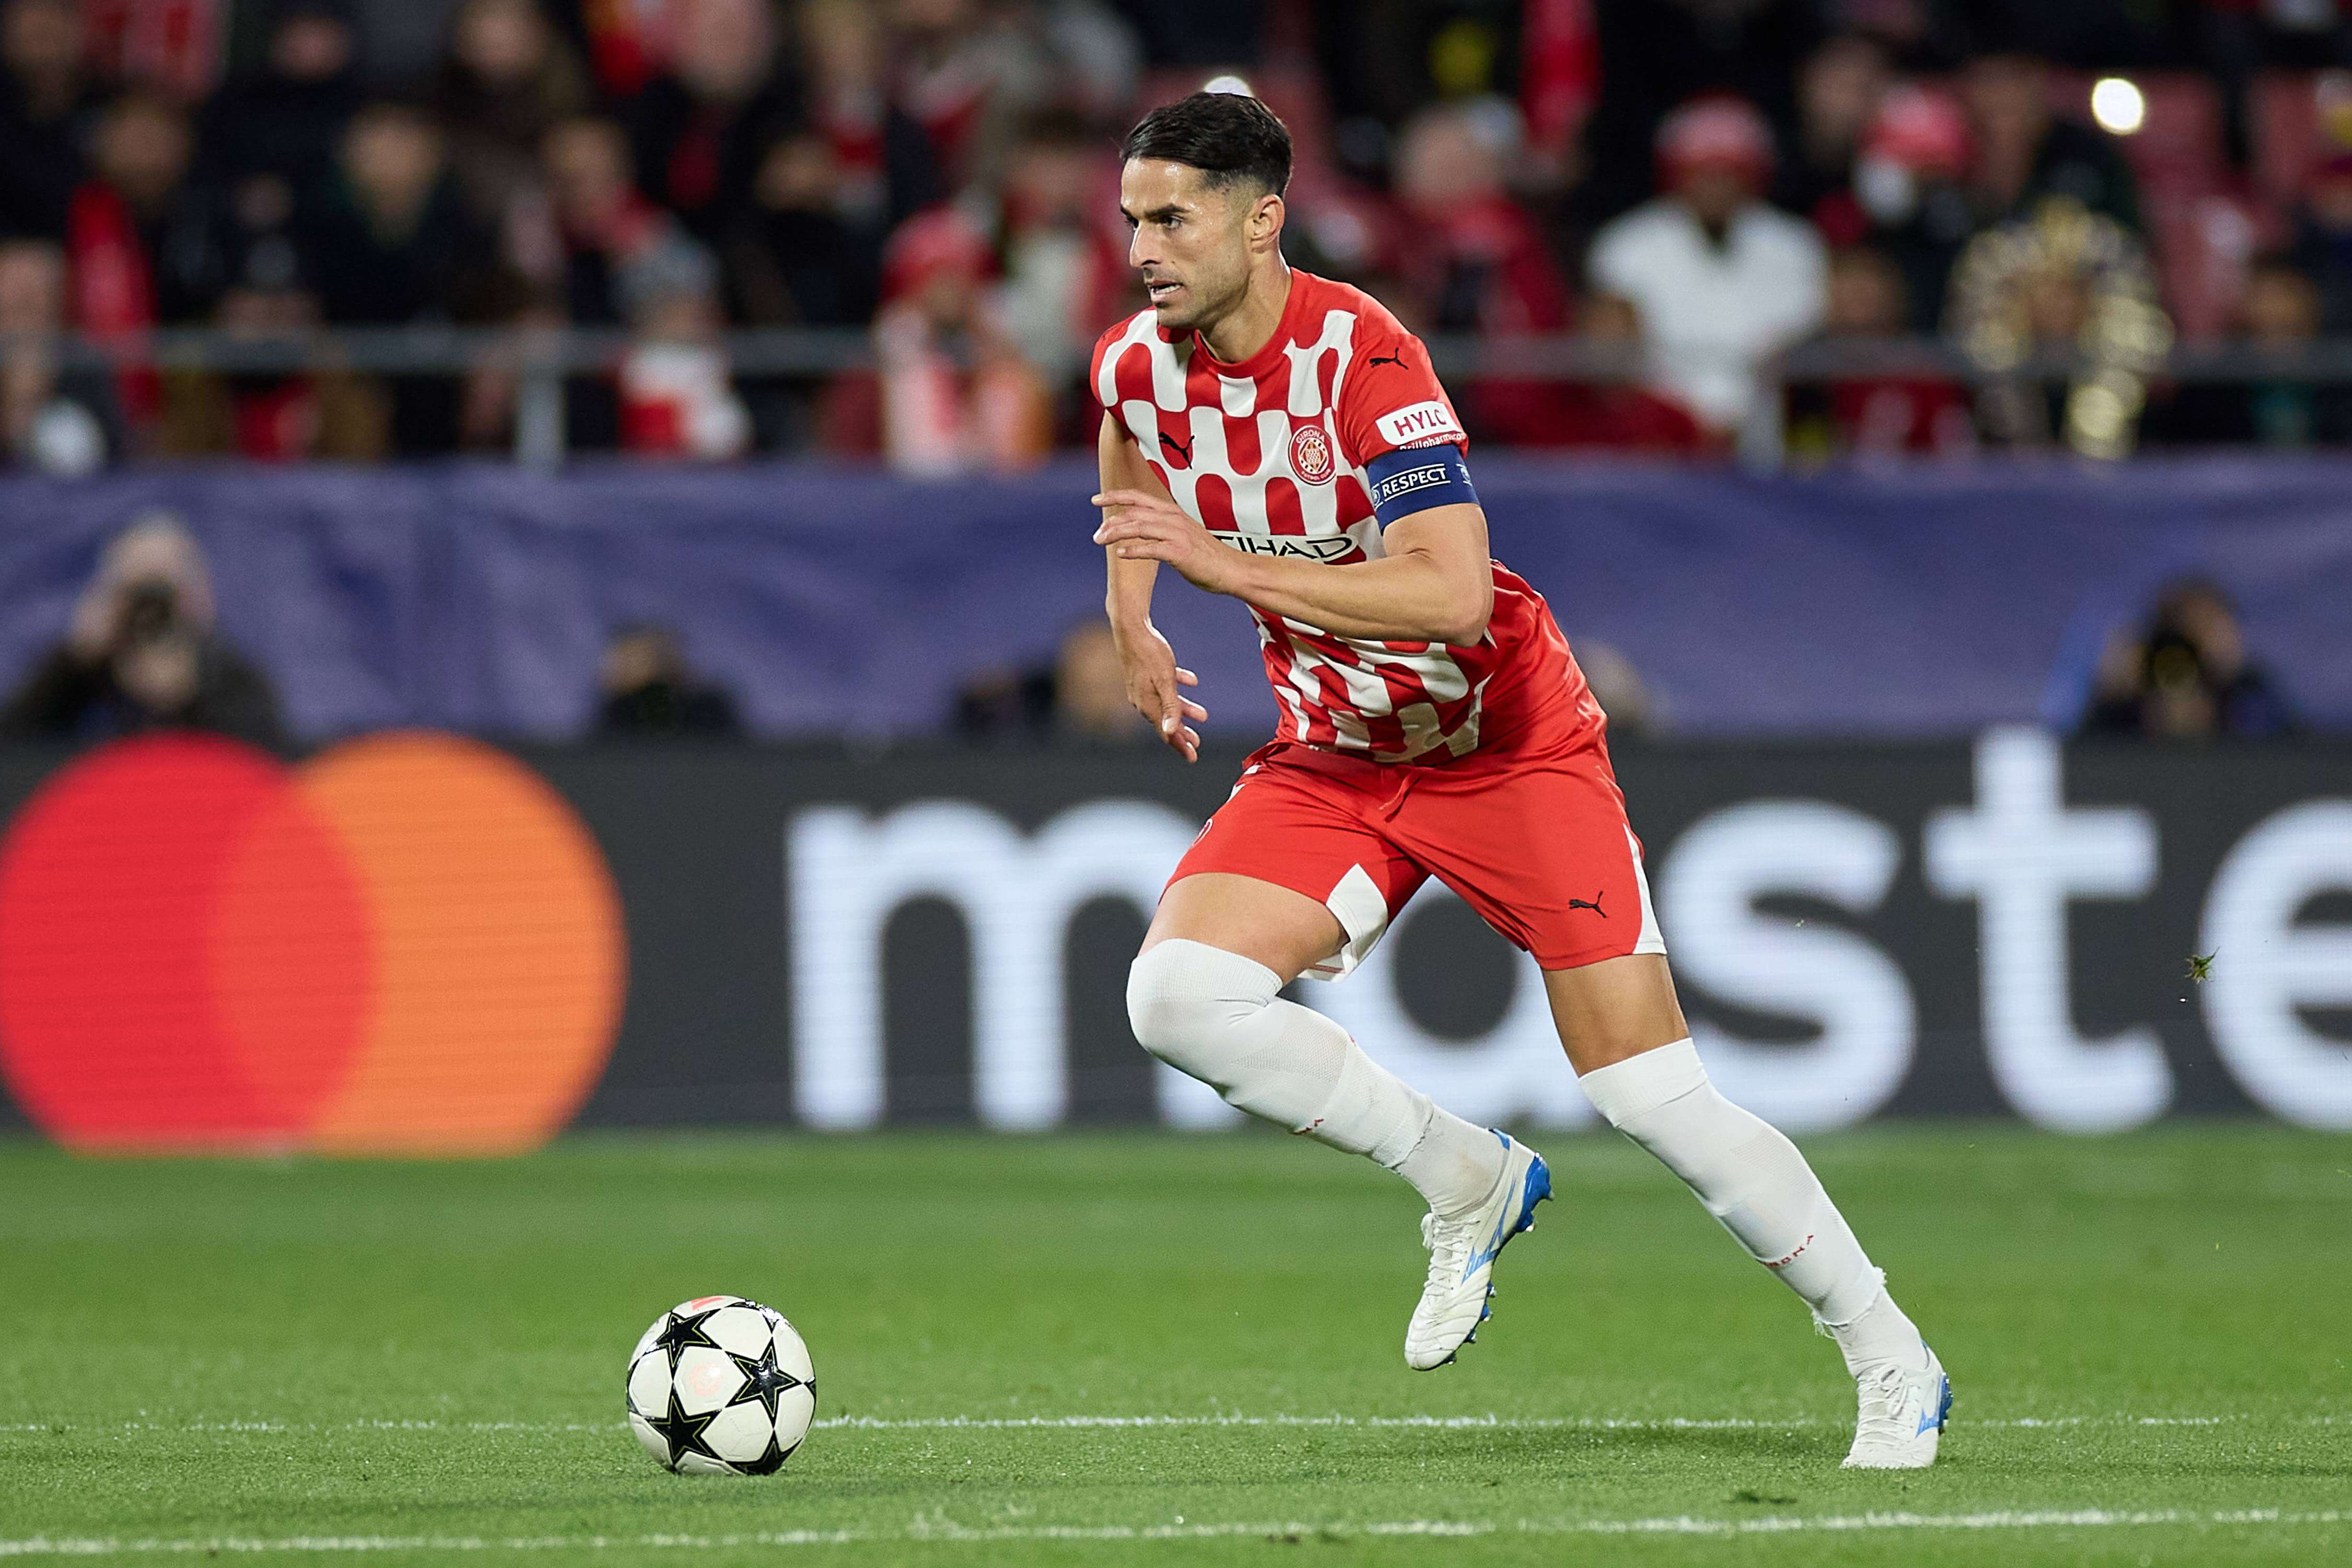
1228	136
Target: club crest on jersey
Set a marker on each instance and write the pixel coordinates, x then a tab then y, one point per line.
1311	455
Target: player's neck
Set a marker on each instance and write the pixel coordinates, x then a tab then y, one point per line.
1247	327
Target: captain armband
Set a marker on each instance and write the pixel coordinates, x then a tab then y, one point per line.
1414	478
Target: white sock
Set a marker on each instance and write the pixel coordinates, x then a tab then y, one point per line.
1755	1182
1879	1333
1455	1165
1218	1016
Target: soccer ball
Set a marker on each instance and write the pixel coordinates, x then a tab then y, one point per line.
721	1386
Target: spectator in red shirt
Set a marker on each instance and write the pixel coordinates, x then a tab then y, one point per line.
1470	260
1620	414
1875	415
926	412
677	392
885	170
700	127
139	232
1909	194
140	241
1470	255
969	72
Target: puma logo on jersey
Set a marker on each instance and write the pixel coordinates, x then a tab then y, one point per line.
1594	906
1183	450
1397	358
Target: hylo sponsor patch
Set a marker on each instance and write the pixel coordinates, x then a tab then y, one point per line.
1418	421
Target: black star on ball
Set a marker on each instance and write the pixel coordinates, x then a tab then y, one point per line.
763	1380
682	1433
683	1332
770	1462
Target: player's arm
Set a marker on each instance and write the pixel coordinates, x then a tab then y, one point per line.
1434	583
1153	677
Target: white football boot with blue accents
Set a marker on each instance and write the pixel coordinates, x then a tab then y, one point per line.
1902	1414
1462	1254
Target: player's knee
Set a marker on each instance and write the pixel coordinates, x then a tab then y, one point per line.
1158	1011
1664	1101
1628	1093
1184	998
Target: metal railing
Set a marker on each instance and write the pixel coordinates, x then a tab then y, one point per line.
542	358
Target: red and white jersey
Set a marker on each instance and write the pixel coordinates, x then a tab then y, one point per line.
1269	455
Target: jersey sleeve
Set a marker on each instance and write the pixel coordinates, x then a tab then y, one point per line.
1392	402
1095	369
1397	426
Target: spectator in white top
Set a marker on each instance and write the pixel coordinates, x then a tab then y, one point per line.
1722	280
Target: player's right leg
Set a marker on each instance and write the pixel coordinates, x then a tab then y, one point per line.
1204	996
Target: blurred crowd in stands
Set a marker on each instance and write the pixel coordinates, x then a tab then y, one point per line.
1682	191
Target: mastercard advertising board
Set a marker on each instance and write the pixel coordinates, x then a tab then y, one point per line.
406	945
413	944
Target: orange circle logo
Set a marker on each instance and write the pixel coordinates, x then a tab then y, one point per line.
408	946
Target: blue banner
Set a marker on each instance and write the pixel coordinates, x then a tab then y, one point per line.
1919	601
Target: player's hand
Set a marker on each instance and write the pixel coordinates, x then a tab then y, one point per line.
1153	679
1138	526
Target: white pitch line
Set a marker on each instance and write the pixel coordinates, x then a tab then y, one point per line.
936	1529
1086	1423
1447	1423
1511	1423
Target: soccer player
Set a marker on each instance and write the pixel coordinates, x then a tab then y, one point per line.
1280	438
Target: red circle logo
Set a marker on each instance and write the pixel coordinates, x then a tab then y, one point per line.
1311	455
410	945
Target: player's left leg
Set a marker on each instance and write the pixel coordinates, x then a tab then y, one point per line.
1624	1034
1537	844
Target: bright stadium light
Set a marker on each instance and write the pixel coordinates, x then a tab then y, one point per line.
2117	105
1239	86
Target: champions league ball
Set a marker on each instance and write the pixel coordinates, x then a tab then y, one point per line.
720	1385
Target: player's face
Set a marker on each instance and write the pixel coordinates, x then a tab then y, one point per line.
1191	242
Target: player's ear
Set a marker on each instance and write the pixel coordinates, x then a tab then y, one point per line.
1264	225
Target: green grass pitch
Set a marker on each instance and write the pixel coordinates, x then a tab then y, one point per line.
1111	1348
